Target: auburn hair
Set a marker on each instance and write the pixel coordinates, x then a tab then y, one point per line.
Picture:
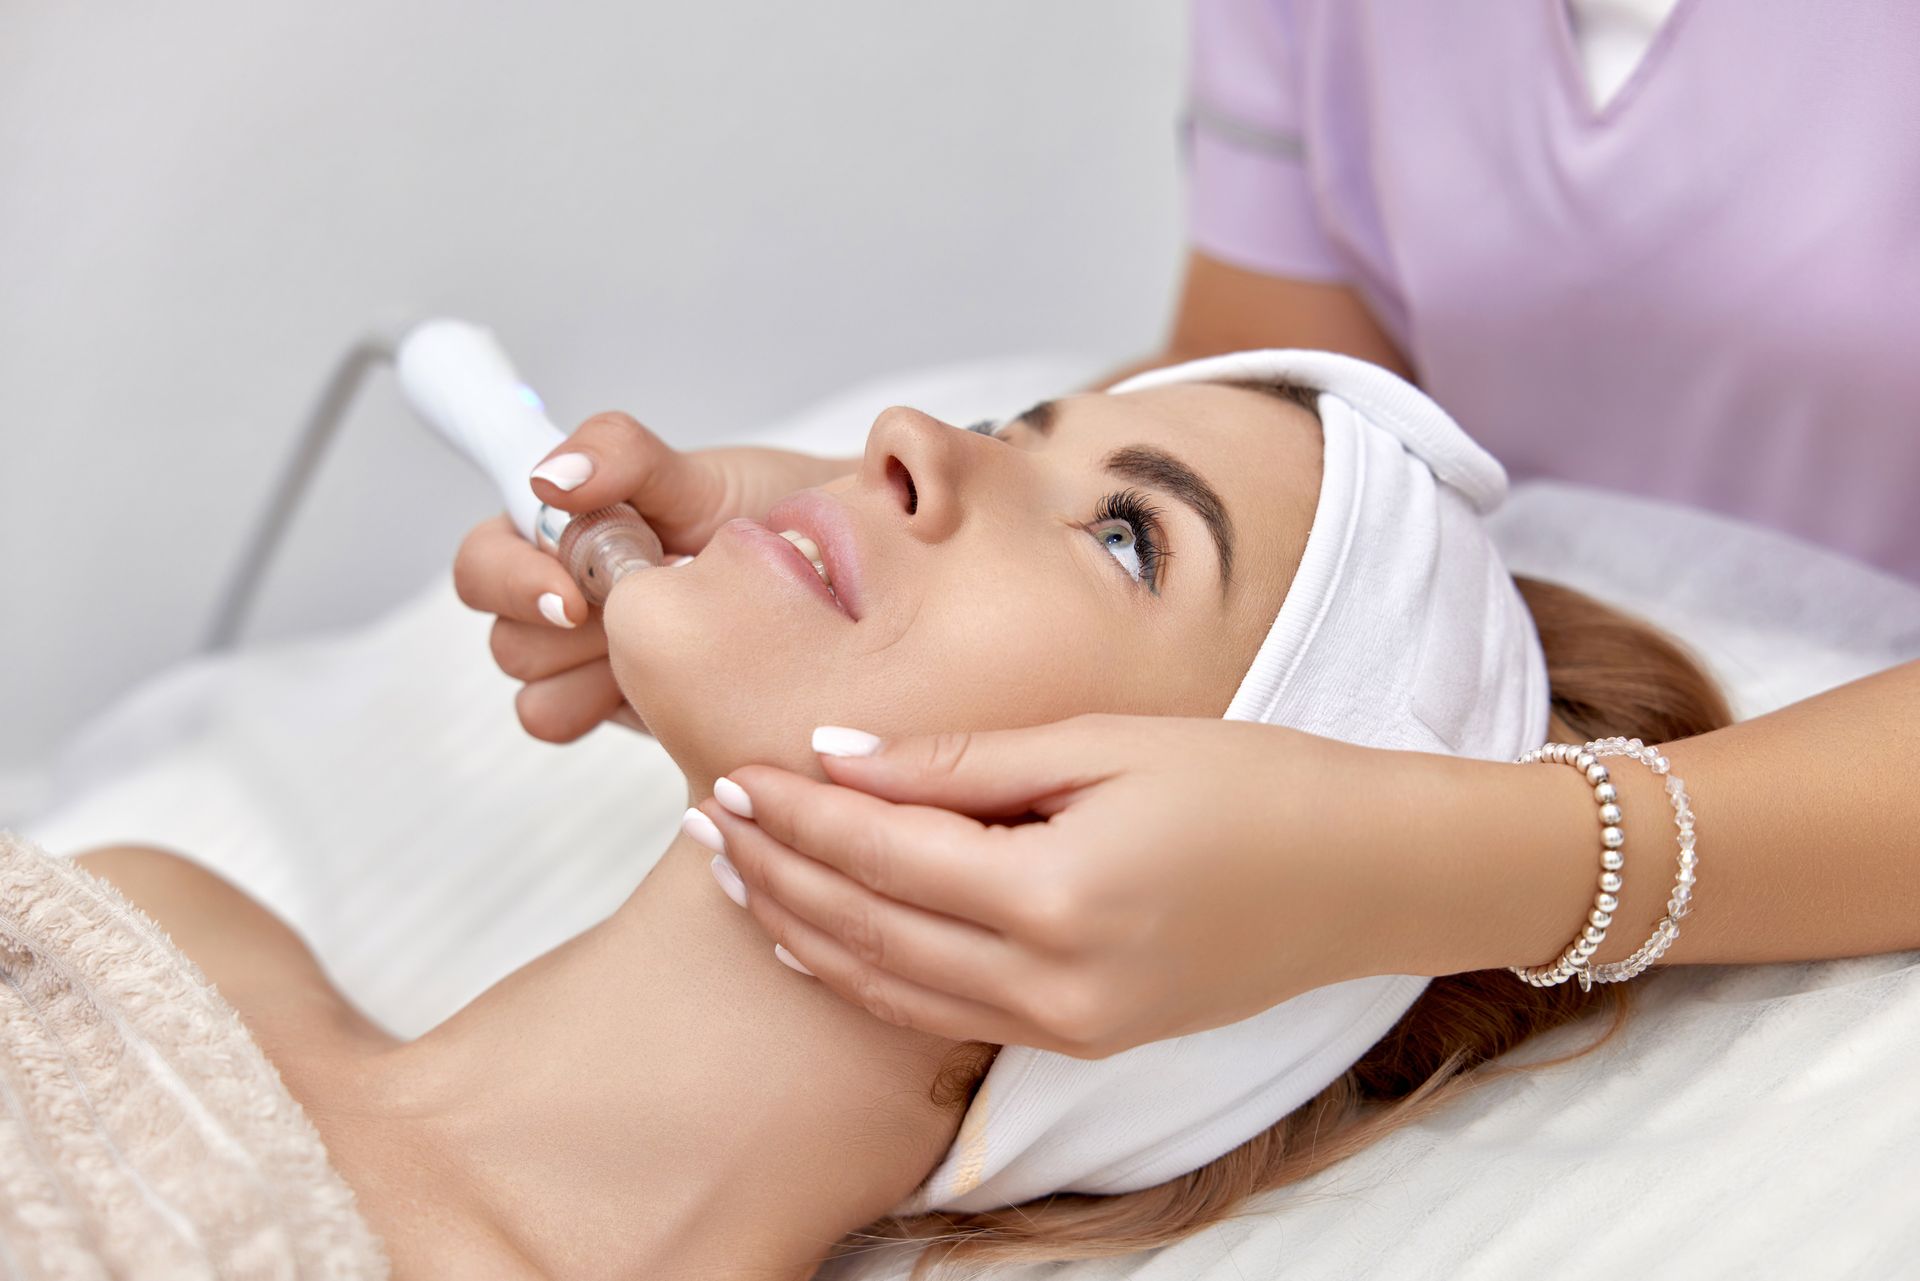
1609	674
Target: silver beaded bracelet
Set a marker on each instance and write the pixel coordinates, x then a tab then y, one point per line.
1575	959
1680	902
1578	956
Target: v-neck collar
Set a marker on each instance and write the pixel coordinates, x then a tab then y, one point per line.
1573	79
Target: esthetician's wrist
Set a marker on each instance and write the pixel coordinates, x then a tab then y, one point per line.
1424	864
1515	856
1499	860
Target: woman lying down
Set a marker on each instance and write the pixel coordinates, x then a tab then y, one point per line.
1287	537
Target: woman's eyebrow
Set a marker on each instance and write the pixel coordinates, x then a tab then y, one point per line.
1039	418
1155	469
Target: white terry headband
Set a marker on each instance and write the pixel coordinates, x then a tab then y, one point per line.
1401	629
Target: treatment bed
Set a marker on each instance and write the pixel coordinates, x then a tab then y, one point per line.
373	787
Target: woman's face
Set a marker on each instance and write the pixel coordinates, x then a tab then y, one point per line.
1101	554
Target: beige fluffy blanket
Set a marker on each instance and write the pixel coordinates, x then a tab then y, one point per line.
142	1133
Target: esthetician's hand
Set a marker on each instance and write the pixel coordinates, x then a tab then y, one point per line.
1183	874
1189	873
547	635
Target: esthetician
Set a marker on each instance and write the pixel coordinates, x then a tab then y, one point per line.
1664	246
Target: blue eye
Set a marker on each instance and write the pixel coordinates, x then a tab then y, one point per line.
1129	528
1120	538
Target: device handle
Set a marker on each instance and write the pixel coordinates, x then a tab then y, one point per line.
456	375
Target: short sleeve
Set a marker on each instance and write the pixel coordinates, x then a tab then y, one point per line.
1249	193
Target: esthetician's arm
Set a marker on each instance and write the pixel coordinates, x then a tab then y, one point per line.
1224	308
1190	873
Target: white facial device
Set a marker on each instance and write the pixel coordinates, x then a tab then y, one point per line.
457	377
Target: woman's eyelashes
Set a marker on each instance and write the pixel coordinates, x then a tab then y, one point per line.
1125	524
1129	528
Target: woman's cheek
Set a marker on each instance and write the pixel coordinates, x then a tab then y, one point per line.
630	618
673	660
1009	658
724	675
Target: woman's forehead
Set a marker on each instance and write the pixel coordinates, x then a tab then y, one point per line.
1251	445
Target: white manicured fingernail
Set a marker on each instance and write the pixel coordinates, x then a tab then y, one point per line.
791	961
678	561
701	829
733	796
564	471
554	610
838	740
729	877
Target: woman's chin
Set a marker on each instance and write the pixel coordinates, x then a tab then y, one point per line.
715	684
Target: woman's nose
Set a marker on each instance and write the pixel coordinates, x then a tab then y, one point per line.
924	465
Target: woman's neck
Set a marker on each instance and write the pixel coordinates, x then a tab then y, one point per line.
657	1097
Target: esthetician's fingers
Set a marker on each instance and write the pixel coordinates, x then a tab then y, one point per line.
498	572
888	997
561	708
990	774
931	858
922	947
535	651
611	458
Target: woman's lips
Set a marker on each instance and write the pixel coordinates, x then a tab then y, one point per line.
784	558
827	522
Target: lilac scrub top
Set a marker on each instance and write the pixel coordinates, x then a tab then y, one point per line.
1706	291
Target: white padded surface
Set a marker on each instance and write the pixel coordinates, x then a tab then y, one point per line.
375	789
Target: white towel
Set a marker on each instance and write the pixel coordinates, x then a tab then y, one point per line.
142	1132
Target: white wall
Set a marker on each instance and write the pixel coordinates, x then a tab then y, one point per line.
703	213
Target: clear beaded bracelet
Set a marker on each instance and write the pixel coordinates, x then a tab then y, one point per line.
1680	902
1575	960
1578	956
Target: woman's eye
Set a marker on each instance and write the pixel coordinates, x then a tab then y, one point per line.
1118	537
